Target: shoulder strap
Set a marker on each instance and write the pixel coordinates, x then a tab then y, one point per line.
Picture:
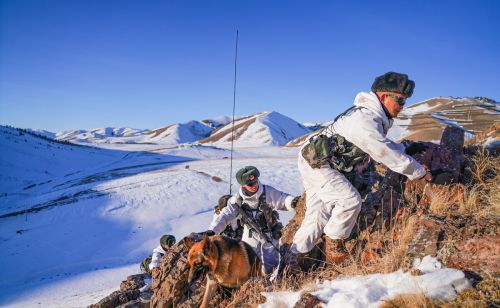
262	198
348	111
330	127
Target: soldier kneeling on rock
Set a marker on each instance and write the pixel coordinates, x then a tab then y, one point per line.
256	205
153	261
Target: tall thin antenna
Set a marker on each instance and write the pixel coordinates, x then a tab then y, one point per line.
234	107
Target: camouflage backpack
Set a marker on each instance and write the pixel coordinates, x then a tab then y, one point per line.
335	150
145	264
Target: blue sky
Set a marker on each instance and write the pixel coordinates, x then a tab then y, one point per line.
144	64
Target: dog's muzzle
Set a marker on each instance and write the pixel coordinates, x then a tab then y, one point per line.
197	274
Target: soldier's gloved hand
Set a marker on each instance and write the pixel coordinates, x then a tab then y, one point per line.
413	148
198	236
294	202
428	174
207	233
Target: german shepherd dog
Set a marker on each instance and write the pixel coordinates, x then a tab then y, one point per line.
226	261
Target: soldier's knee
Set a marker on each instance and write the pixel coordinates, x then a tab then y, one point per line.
353	202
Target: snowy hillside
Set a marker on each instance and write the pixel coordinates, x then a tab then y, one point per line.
265	128
28	161
426	120
89	215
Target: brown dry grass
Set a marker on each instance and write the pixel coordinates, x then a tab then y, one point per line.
480	197
411	301
393	258
225	132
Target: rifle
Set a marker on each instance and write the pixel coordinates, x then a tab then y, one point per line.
253	225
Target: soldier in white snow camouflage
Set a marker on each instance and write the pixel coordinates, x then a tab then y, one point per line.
357	135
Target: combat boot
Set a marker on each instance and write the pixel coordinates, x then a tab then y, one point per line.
335	251
288	264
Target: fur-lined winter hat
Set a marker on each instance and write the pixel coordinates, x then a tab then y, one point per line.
394	82
168	240
248	175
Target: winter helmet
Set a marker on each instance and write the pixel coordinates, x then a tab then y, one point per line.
168	240
394	82
248	175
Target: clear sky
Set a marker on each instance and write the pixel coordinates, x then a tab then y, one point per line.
94	63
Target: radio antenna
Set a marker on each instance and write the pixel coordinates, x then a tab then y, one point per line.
234	107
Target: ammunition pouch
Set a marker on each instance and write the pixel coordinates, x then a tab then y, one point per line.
336	151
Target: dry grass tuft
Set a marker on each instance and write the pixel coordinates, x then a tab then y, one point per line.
480	197
411	301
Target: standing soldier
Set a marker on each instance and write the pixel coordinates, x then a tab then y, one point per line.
332	203
256	204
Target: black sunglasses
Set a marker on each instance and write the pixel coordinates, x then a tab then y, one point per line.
400	100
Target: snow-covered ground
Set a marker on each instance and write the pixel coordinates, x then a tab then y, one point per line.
372	290
75	221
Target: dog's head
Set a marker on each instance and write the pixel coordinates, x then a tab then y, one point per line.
200	258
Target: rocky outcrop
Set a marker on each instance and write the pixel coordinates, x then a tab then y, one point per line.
133	293
391	203
170	287
396	211
307	300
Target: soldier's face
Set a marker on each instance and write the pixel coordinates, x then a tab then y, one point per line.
251	188
393	102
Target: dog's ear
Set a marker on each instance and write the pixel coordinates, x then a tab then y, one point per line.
188	242
207	244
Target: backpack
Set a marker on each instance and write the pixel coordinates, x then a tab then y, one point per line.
145	265
335	150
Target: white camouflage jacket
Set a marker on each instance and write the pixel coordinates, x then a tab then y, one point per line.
367	129
158	252
276	199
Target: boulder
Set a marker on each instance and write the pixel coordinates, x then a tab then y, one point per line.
307	300
132	293
170	287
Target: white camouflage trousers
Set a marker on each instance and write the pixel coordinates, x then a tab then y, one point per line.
332	206
267	253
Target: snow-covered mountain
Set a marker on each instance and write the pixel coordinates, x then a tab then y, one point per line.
169	135
265	128
99	135
42	132
426	120
217	121
179	133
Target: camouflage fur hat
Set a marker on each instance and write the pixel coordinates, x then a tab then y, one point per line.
168	240
248	175
394	82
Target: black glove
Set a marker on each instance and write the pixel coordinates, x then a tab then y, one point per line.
294	202
413	148
198	236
